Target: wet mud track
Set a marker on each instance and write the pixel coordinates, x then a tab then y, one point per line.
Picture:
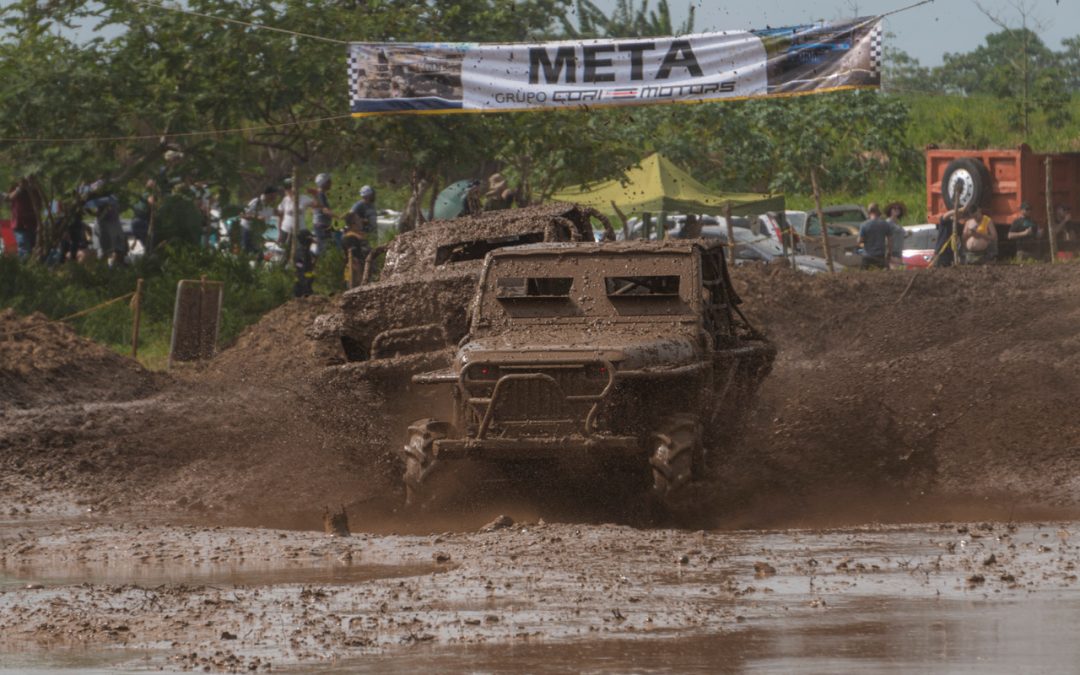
537	596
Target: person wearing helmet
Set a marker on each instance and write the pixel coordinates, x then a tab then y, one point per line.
323	218
365	211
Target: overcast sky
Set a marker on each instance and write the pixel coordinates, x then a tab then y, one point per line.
926	32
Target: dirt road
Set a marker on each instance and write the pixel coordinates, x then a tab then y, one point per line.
173	519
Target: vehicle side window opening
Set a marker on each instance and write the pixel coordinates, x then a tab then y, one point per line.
477	249
642	286
533	287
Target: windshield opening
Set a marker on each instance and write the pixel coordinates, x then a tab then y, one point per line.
512	288
477	249
664	286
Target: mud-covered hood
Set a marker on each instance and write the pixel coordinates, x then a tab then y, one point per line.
626	351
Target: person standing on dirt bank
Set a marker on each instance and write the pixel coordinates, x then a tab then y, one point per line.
292	218
305	265
357	247
253	219
25	215
980	238
875	239
323	219
366	212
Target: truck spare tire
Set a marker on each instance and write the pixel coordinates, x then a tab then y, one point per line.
973	179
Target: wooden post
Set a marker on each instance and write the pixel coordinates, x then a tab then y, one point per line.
153	217
1050	208
623	218
136	320
821	219
646	225
730	234
954	240
296	219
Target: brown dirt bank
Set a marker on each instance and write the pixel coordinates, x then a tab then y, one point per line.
965	391
966	387
45	362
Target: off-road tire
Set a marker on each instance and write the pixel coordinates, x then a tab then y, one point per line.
418	454
676	449
975	178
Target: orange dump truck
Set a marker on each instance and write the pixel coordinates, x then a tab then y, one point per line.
999	181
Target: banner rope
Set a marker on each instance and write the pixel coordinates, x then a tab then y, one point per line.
178	134
8	336
247	24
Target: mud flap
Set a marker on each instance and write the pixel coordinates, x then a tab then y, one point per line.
673	457
418	455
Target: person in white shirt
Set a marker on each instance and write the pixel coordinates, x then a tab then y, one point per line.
253	220
287	213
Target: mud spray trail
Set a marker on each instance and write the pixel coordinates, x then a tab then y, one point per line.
137	507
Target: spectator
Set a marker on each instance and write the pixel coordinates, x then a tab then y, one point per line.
142	214
944	252
875	239
894	213
499	195
112	242
357	247
1024	227
25	215
980	238
305	265
323	218
1063	225
253	219
366	211
291	217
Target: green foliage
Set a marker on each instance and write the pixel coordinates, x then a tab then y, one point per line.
178	221
250	291
330	271
626	20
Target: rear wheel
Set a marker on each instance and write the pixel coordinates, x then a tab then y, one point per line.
419	456
675	450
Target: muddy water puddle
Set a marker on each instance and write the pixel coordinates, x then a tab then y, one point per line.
870	635
224	575
979	597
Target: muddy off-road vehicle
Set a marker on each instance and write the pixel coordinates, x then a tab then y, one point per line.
624	354
417	307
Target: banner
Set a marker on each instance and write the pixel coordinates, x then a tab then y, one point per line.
436	78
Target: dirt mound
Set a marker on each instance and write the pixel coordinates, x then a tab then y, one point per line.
273	348
965	386
45	362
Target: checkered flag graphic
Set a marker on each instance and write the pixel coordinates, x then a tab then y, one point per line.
354	77
876	49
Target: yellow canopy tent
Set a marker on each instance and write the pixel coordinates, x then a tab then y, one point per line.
656	185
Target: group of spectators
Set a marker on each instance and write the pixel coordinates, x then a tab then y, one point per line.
106	237
970	230
357	225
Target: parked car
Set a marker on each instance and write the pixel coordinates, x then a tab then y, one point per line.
752	248
920	242
843	223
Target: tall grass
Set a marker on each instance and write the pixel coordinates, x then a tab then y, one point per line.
56	292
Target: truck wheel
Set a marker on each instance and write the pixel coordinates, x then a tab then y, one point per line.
418	454
973	179
674	450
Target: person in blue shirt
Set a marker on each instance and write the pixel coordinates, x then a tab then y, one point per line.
875	240
112	242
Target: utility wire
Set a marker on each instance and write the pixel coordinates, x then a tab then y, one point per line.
179	134
238	22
